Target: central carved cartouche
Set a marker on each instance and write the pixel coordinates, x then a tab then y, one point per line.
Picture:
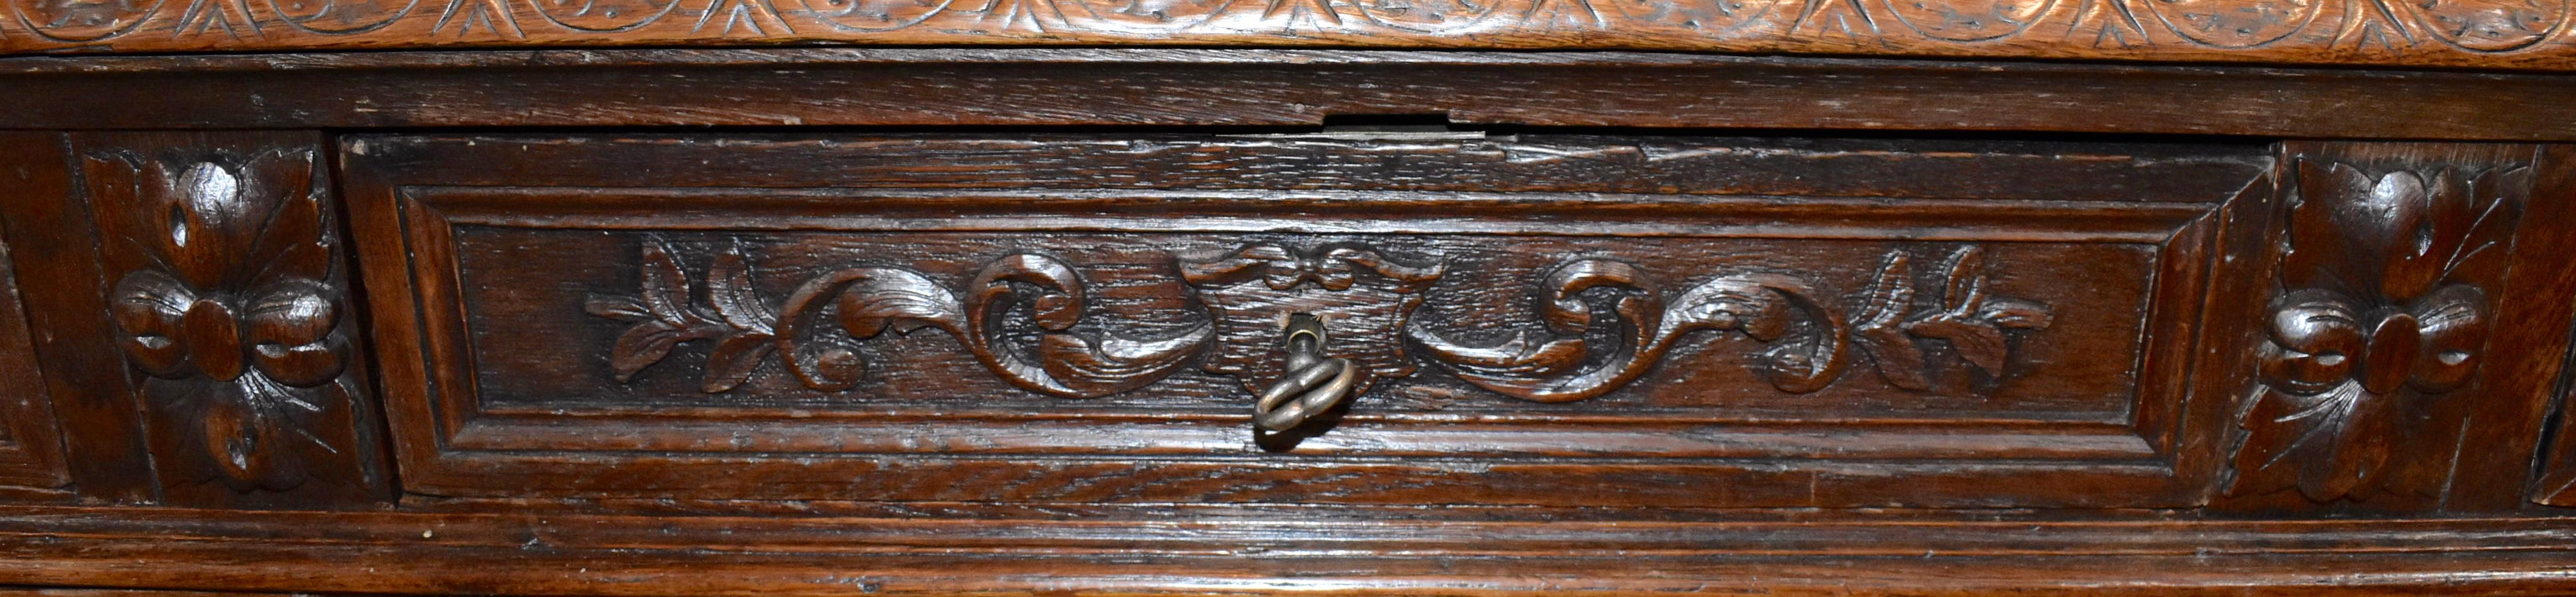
1362	297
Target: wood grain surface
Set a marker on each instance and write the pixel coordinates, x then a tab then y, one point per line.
1267	89
2496	34
30	447
1185	551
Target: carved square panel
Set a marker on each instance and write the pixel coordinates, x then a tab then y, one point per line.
1539	320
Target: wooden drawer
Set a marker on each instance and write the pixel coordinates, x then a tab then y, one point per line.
1579	321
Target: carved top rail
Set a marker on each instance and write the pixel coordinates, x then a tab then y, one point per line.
2487	34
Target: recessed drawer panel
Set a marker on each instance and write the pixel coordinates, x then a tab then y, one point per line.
1439	319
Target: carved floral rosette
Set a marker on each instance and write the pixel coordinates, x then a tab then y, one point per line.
234	313
2383	307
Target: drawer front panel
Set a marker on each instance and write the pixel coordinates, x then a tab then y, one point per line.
1702	323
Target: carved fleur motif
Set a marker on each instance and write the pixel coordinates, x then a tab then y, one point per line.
2383	308
1971	321
236	318
665	316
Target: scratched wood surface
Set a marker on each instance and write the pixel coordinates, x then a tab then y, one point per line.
2507	34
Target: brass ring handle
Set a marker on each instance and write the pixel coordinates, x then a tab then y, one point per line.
1313	384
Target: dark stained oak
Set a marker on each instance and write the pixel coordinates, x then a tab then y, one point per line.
1016	336
2379	333
1955	297
229	298
30	449
51	238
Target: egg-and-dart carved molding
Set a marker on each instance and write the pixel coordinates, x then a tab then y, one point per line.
1906	334
2384	307
2533	33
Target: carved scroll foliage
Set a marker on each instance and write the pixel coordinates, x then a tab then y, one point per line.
2423	32
2383	307
1606	324
865	302
233	309
1808	338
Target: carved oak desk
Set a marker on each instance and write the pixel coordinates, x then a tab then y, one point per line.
1397	297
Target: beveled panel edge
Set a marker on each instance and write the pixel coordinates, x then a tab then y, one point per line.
449	467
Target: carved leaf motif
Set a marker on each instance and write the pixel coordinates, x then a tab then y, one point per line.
1808	341
2327	443
1879	330
616	307
1971	321
2013	313
865	302
642	346
1070	366
739	354
882	299
1766	307
664	317
733	361
666	289
1541	367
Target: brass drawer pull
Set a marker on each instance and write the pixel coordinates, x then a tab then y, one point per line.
1313	383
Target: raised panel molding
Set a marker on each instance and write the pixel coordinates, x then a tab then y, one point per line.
228	295
2376	378
2531	34
1740	322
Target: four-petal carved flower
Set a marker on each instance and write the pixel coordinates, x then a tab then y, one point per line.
2382	308
232	314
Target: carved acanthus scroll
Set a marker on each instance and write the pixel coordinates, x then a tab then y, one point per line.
1809	338
865	302
1606	324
